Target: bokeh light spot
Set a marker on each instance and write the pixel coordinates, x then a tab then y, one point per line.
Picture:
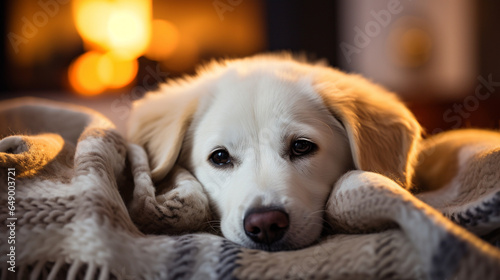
127	33
115	72
83	74
90	17
164	40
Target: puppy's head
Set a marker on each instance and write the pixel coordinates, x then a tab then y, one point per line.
268	137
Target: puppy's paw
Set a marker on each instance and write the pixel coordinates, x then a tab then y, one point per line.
182	205
175	205
185	199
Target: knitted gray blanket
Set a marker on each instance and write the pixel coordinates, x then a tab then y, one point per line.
77	202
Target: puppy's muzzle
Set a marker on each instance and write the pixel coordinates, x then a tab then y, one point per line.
266	225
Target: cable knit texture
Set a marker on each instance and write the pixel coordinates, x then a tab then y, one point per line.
86	208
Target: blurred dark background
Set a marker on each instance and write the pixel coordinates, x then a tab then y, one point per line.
440	56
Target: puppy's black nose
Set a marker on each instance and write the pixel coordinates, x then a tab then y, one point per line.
266	226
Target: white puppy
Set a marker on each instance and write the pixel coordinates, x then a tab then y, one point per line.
268	136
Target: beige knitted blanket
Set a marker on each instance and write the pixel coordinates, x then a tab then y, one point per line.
77	202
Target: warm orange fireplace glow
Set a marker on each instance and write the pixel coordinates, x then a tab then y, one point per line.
164	40
83	74
116	33
93	72
116	72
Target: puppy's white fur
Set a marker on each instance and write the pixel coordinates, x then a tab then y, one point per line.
255	108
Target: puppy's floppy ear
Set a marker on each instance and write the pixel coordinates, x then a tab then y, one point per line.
382	132
158	123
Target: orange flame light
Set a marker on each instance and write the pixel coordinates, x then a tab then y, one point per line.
83	74
165	40
117	32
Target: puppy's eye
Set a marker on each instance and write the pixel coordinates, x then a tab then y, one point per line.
220	157
302	147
